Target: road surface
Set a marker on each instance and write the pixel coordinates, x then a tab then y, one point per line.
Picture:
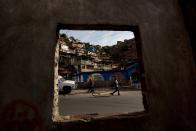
84	103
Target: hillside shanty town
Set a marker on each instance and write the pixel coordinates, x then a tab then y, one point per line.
78	60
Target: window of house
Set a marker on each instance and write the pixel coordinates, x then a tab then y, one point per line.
83	67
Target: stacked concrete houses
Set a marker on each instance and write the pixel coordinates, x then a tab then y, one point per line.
76	58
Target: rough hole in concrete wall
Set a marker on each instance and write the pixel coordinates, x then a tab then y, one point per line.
98	72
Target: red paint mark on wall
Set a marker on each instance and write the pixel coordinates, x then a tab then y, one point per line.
20	115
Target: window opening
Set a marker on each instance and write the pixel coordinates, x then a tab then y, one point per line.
91	64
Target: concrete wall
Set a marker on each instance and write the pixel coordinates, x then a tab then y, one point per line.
189	12
27	48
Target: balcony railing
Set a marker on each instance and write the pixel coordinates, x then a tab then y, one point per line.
87	62
68	51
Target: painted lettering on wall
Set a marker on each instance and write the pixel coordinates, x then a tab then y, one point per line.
20	115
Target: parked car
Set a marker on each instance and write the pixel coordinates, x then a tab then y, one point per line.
66	86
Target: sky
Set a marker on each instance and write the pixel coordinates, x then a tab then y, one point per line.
103	38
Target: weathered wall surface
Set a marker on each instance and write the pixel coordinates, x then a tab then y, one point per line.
27	50
189	12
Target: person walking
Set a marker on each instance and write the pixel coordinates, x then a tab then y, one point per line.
90	85
116	86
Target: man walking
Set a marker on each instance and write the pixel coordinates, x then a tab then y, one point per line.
91	85
116	87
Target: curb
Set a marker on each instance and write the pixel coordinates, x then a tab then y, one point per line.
98	91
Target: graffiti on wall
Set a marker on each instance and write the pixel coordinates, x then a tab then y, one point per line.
20	115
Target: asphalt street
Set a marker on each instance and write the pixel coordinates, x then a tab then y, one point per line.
102	102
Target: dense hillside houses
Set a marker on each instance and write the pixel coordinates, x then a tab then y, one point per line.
76	57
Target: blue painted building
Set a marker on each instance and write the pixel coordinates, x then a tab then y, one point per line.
107	75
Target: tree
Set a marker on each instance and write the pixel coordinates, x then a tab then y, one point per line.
107	49
124	47
87	48
72	39
65	38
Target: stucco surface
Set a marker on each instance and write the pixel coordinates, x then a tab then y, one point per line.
27	48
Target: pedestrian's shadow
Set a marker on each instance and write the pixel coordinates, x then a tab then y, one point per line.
100	95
